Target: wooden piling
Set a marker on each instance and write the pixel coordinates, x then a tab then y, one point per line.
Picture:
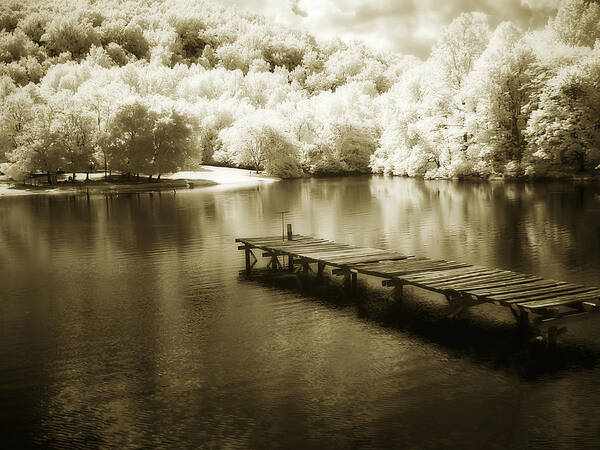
305	270
274	262
320	269
247	255
289	231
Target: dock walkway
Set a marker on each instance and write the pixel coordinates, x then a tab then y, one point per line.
534	301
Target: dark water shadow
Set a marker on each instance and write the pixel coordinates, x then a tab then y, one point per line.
498	346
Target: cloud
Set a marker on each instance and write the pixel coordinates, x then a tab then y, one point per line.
542	4
296	9
406	26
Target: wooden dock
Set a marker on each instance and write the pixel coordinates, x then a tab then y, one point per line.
543	304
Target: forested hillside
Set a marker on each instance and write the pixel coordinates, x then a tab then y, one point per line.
149	87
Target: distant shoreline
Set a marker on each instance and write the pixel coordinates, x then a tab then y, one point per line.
216	175
204	177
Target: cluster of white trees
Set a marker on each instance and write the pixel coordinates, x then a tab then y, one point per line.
150	87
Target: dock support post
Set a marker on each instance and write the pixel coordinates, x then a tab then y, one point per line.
346	273
305	269
320	268
275	264
523	320
290	263
247	255
458	304
397	292
353	281
289	232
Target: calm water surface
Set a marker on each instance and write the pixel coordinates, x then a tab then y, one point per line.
123	322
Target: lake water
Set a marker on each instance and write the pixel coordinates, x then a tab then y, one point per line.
123	322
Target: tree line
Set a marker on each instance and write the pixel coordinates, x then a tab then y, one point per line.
155	86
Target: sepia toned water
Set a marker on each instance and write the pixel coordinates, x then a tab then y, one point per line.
123	322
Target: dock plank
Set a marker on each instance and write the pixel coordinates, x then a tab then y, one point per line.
499	282
369	258
539	294
450	283
546	295
405	263
442	276
563	300
493	282
306	248
516	288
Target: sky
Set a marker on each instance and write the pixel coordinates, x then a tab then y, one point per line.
405	26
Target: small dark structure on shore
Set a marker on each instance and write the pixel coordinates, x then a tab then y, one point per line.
544	306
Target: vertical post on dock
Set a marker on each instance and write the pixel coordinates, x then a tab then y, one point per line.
289	231
305	269
274	262
523	320
247	254
282	223
353	281
320	268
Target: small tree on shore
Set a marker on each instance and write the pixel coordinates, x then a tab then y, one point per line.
171	142
41	143
76	130
131	140
260	143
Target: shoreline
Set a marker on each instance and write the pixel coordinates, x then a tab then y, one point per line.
206	176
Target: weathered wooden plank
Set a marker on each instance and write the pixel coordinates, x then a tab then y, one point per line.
328	250
339	247
281	243
387	270
547	296
408	262
539	294
390	256
279	238
386	256
383	267
502	279
339	254
369	252
300	244
271	238
516	288
287	251
427	266
408	272
495	276
297	243
562	300
347	259
500	282
506	278
282	250
446	275
307	247
448	283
